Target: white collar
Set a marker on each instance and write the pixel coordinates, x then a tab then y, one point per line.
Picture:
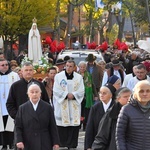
35	105
106	106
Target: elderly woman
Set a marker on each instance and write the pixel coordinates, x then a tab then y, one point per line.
104	139
102	63
133	125
90	92
35	123
96	113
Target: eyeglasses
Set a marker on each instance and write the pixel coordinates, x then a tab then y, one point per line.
4	65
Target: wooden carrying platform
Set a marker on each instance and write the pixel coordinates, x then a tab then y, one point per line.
39	76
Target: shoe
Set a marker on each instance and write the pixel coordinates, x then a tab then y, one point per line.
4	147
11	146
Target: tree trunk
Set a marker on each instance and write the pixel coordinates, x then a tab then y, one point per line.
91	26
56	34
69	25
121	27
23	42
101	36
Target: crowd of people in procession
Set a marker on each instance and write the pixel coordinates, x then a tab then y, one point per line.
109	100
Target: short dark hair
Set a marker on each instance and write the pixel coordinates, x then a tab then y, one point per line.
71	61
141	66
52	68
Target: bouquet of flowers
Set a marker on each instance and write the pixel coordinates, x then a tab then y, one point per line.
42	67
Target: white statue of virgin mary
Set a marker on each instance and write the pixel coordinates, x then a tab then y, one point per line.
34	43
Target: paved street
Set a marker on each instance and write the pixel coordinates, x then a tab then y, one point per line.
80	142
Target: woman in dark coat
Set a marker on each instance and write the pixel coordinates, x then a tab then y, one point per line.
104	139
96	113
35	124
133	124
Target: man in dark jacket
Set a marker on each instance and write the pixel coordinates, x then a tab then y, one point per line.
134	59
104	139
18	90
95	70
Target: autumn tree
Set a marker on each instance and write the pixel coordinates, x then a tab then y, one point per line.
16	16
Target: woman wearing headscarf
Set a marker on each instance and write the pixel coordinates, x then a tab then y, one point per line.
35	126
115	81
90	92
97	111
104	139
133	124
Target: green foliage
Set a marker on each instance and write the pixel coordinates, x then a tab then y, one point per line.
139	11
16	15
113	34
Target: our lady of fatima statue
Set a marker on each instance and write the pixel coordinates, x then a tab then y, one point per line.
34	43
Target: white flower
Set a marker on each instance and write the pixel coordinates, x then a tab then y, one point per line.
44	65
40	62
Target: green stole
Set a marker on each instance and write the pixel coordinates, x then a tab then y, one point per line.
88	89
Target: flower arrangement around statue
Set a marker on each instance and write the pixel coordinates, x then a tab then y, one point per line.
42	67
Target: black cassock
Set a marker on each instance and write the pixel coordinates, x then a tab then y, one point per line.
36	129
18	95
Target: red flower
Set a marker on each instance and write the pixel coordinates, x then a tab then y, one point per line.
48	40
91	45
60	47
123	46
53	47
147	65
103	47
117	44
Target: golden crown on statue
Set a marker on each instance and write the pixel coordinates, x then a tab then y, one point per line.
34	20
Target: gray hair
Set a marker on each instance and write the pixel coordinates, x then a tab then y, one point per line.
122	90
143	82
101	61
28	63
82	63
33	85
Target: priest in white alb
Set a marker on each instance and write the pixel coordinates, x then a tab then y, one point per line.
68	93
7	77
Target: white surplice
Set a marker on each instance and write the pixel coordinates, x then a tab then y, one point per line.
67	112
5	83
